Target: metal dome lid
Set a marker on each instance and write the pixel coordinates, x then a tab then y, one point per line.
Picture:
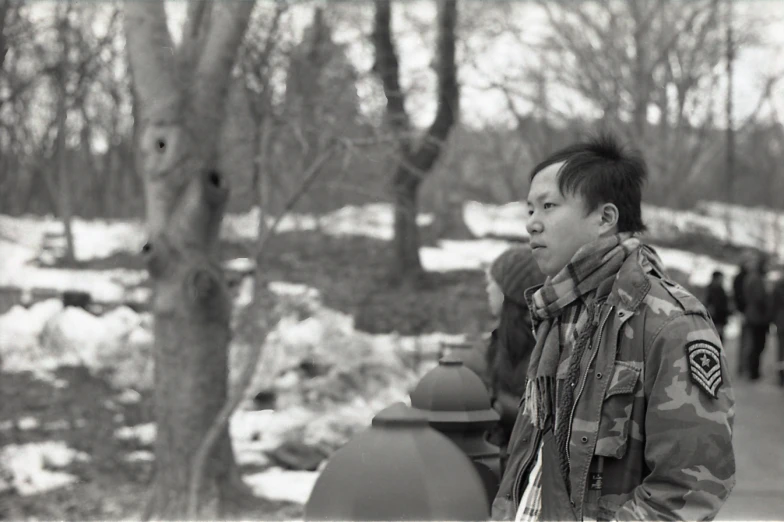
398	469
452	393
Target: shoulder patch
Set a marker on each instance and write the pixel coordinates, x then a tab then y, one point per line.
705	366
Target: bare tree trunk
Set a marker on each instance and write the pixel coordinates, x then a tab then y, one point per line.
181	114
415	162
730	166
406	239
63	175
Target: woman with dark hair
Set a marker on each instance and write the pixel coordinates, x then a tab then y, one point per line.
512	341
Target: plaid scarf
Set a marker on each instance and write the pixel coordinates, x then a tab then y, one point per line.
590	266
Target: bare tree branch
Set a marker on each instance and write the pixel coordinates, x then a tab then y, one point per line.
387	67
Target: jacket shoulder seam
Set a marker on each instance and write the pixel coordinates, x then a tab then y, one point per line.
665	324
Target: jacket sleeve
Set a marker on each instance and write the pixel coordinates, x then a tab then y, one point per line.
688	432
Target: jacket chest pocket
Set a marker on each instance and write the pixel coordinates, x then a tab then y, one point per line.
616	418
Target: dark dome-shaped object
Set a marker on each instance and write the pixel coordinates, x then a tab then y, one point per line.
398	469
452	393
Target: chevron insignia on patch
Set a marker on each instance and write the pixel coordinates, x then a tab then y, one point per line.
705	366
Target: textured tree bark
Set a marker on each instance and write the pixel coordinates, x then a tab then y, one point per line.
65	196
415	161
181	114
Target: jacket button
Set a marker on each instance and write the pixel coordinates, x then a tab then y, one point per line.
574	384
599	375
584	439
572	502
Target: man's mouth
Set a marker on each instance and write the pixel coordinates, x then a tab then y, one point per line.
536	246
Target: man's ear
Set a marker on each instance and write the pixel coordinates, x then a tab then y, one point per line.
608	213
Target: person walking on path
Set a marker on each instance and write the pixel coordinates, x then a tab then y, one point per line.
628	410
717	303
758	315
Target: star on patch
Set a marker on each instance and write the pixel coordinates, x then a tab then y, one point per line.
705	366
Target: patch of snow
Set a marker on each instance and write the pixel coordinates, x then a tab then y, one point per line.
279	484
80	423
266	430
144	433
284	288
19	331
102	285
372	220
498	220
461	255
118	417
139	456
28	423
114	341
129	396
57	457
240	264
94	238
248	454
27	464
699	267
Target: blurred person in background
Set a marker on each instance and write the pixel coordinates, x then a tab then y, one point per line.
504	361
717	303
739	300
777	305
758	315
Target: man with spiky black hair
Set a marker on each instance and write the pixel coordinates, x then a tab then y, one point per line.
628	409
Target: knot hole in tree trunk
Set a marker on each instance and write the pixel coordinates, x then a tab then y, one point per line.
155	258
216	189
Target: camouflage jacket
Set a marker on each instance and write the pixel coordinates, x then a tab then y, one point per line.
651	424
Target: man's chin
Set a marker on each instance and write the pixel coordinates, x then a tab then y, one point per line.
548	268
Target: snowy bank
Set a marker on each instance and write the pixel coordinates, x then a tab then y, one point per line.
32	468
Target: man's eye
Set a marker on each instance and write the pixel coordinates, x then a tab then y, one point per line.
549	205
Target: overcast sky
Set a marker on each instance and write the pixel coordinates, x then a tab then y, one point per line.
479	105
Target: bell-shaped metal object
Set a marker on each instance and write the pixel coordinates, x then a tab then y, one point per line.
456	402
398	469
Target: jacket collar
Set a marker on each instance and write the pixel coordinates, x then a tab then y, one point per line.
630	285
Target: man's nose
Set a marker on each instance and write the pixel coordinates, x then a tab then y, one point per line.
533	226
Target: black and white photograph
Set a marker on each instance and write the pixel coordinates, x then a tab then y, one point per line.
397	260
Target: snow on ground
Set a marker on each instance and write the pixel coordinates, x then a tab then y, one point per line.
32	466
499	220
139	456
22	240
698	267
461	255
372	220
144	433
45	336
280	484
